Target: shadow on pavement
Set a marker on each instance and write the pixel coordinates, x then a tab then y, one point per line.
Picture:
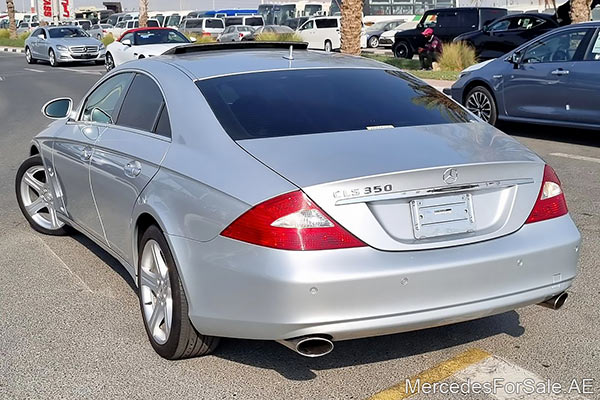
104	256
557	134
271	355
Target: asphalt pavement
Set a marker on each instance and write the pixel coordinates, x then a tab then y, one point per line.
70	326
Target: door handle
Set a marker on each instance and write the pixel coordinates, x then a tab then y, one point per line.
560	72
132	169
87	152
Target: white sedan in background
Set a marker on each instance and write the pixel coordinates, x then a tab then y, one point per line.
142	43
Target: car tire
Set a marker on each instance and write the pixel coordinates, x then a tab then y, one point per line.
161	294
373	42
109	62
52	58
28	57
327	46
403	50
481	102
34	196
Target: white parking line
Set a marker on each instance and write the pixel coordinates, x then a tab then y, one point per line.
511	382
576	157
33	70
82	71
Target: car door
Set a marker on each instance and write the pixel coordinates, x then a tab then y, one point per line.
584	85
126	157
327	29
33	42
307	32
73	150
536	87
122	52
445	27
43	46
492	43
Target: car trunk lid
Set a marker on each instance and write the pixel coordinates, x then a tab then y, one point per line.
412	187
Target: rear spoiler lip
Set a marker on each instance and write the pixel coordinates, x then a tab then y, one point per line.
197	48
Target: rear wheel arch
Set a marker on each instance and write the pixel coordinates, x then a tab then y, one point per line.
143	221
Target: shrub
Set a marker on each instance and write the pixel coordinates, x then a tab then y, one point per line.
201	38
278	37
457	56
4	34
108	39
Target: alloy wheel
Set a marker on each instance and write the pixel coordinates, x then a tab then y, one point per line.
37	198
155	292
374	42
479	104
401	51
52	57
28	55
110	64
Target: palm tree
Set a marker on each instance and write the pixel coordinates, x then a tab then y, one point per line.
144	13
12	26
351	26
581	11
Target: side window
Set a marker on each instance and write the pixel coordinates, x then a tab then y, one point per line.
447	20
129	36
467	19
36	32
500	26
101	105
528	23
430	20
141	105
308	25
326	23
594	51
557	48
163	125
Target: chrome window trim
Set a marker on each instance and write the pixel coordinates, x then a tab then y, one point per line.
133	130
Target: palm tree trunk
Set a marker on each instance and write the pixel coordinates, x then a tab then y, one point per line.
580	11
351	26
144	13
12	26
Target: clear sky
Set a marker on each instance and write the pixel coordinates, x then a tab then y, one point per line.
156	4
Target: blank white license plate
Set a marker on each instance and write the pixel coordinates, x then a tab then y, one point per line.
441	216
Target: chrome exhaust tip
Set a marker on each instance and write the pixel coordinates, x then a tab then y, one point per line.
555	302
309	346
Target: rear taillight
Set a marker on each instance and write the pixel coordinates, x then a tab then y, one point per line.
290	221
241	35
205	34
550	202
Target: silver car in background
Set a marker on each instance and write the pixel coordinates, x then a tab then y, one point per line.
234	33
98	31
60	44
257	191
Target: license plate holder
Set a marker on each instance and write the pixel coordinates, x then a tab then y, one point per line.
443	215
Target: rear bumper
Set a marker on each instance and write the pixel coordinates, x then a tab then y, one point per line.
245	291
385	41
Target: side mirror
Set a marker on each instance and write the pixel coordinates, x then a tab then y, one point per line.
515	58
58	108
126	42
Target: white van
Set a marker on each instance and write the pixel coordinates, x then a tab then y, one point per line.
202	26
323	33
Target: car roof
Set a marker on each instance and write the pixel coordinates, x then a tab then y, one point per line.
213	63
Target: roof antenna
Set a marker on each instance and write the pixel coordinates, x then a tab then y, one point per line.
290	56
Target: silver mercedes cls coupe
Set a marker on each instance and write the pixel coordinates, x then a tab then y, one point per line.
61	44
261	192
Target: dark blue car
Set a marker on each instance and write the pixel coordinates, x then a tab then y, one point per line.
553	79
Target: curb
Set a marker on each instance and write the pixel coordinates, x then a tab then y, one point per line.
12	49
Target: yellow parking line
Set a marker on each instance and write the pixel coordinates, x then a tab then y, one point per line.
438	373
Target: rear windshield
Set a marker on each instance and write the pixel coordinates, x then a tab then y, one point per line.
214	23
233	21
300	102
254	21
